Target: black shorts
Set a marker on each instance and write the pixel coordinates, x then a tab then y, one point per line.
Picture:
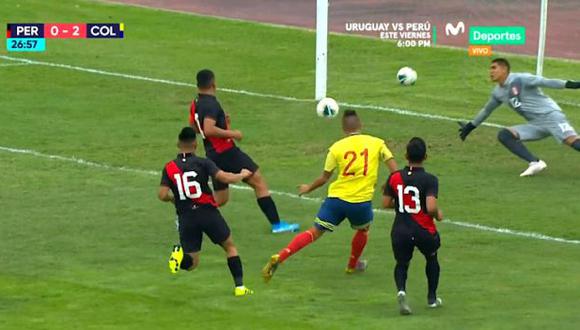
233	160
194	223
407	234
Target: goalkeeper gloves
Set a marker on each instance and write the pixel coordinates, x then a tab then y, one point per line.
465	129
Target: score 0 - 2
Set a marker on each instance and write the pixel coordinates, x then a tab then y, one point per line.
62	31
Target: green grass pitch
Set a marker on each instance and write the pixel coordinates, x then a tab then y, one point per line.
86	247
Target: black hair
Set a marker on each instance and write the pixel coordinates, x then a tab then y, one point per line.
350	121
349	113
503	62
187	135
204	78
416	150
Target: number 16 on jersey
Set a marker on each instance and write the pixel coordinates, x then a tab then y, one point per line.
185	182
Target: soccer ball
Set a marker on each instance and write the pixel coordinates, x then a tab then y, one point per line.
327	108
407	76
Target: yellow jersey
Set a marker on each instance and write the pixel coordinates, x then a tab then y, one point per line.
357	158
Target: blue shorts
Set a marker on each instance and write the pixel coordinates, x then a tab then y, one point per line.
333	211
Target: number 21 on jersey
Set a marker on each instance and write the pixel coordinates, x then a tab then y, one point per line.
185	182
413	192
352	156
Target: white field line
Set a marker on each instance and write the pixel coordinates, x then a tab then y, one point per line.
244	92
249	93
83	162
570	103
13	64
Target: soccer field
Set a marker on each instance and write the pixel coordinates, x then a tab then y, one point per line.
86	127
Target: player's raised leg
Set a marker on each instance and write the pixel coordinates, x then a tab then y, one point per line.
267	204
298	243
180	260
332	212
186	255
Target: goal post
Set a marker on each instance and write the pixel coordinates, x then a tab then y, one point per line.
321	48
542	37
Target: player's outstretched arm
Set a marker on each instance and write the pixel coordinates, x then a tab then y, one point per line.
317	183
466	128
539	81
227	177
210	129
165	194
433	209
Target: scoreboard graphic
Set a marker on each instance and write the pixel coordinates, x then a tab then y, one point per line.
31	37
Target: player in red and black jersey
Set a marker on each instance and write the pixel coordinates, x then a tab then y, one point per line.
412	192
209	119
184	182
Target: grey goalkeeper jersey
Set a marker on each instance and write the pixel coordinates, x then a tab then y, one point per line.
521	91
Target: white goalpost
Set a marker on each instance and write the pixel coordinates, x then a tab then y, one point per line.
542	37
321	48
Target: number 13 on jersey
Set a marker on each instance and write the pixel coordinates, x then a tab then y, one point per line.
414	195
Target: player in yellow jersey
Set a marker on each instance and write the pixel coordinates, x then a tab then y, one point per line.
356	159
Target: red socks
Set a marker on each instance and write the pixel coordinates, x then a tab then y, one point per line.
298	242
359	241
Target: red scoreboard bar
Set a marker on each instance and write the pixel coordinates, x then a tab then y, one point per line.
65	31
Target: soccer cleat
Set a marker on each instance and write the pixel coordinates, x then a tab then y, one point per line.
270	268
361	267
404	308
534	168
435	303
241	291
175	259
283	227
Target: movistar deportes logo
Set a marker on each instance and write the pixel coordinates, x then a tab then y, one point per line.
454	30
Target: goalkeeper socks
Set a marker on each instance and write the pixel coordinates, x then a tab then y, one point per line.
572	84
516	146
186	262
432	271
298	242
401	275
235	265
359	241
268	207
576	144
